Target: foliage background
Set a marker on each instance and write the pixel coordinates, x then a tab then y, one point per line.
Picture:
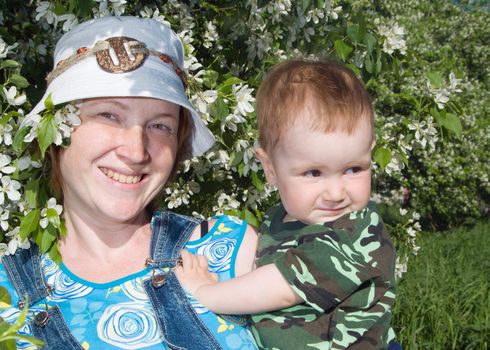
424	62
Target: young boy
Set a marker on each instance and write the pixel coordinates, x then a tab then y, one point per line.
325	264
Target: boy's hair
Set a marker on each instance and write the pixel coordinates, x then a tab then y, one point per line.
333	97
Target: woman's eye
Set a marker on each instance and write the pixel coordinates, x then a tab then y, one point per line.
163	127
108	115
312	173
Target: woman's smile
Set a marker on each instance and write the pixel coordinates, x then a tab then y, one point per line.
125	179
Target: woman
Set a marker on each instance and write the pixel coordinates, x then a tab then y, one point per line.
115	288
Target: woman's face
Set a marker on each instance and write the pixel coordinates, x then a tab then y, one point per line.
119	157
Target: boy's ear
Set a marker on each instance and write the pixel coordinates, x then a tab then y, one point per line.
264	158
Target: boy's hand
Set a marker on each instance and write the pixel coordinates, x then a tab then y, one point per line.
194	274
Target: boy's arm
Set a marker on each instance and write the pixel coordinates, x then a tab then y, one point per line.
260	290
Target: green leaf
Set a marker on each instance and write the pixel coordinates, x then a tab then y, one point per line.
382	156
31	340
451	122
236	158
54	254
62	228
48	103
49	235
46	132
18	143
59	9
19	81
30	192
354	32
210	78
370	41
85	7
8	344
435	79
257	181
225	87
19	322
354	68
53	217
29	223
369	64
250	217
4	298
220	109
9	64
342	49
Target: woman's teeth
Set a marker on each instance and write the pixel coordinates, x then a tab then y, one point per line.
125	179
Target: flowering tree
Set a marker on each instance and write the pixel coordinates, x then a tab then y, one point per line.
229	45
425	139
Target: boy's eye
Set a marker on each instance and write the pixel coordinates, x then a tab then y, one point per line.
312	173
353	170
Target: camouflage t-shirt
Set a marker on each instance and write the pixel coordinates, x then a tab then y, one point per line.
343	270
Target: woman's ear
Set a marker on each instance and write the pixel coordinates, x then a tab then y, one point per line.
266	161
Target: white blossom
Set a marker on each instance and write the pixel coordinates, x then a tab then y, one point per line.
210	35
51	204
4	219
15	242
6	134
10	188
4	164
401	267
204	99
32	122
149	13
12	98
394	38
425	132
6	49
454	82
231	121
441	95
315	14
226	202
69	19
180	194
110	7
334	13
46	9
66	118
244	98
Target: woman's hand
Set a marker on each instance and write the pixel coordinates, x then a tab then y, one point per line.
194	274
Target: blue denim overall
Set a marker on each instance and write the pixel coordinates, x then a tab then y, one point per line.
180	325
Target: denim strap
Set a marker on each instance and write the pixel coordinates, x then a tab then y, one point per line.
182	327
25	272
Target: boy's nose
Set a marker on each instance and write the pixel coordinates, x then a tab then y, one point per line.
333	190
133	145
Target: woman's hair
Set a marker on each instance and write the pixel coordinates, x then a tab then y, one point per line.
324	95
185	133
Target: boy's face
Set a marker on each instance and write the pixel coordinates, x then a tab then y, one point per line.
320	176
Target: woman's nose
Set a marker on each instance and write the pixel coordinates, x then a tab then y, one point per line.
133	146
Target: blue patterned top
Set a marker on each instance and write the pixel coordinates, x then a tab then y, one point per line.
118	314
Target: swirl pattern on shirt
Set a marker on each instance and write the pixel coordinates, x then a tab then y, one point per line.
129	326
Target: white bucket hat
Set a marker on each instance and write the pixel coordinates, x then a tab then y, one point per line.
122	56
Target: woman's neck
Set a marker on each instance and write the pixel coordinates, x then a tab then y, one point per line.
101	251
